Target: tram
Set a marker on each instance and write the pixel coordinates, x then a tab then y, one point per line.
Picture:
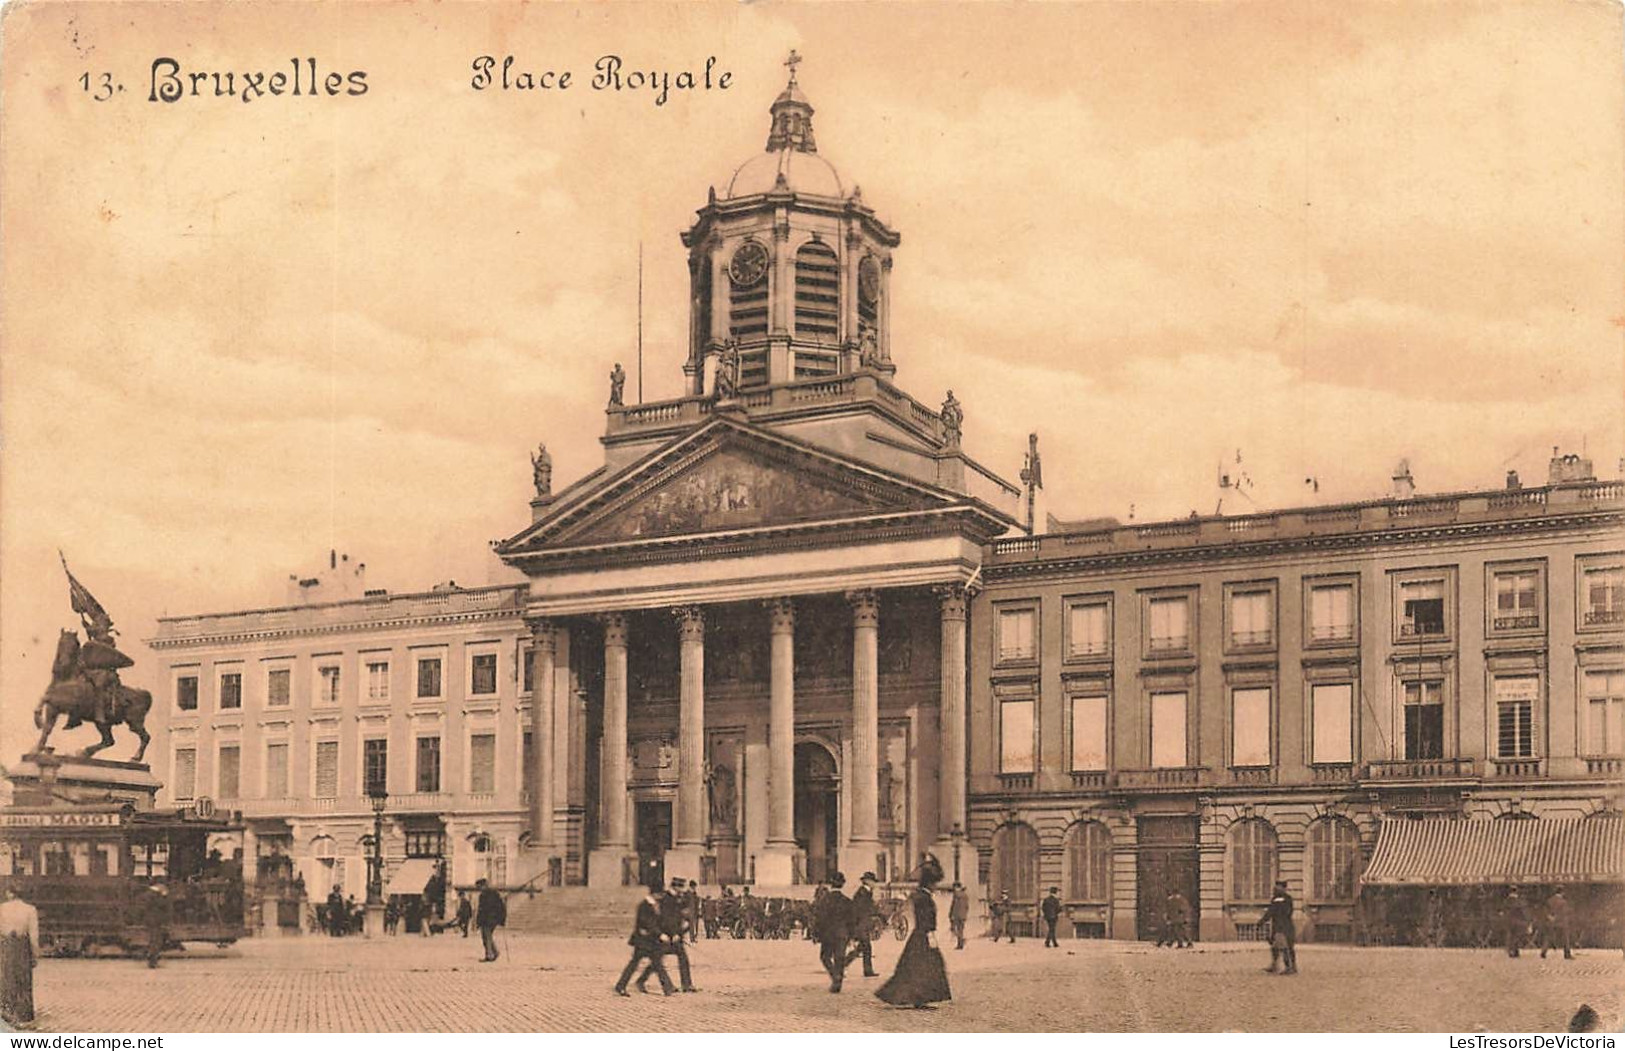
88	868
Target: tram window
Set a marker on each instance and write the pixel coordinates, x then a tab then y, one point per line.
6	863
80	853
54	859
104	859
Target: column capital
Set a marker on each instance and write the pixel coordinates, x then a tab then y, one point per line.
953	598
690	623
541	631
865	608
614	625
781	615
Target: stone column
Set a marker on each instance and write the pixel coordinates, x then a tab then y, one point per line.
693	810
951	717
777	865
863	837
605	866
541	734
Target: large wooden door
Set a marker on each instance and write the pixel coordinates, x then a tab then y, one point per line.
654	835
1168	861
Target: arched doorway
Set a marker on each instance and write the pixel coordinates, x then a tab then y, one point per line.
818	808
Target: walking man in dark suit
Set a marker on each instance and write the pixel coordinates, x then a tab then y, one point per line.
491	913
1051	909
1559	915
647	943
691	910
1283	934
833	922
1515	918
158	916
958	913
863	916
674	925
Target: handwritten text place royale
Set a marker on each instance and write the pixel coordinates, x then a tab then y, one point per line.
610	73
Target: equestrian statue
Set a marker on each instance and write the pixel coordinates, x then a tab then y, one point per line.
85	685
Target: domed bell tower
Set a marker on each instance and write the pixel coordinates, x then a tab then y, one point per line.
789	272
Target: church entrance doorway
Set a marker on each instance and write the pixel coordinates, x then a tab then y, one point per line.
818	809
654	835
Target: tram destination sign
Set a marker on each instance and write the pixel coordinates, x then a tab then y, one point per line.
62	820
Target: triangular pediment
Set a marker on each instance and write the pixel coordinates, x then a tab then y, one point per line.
727	477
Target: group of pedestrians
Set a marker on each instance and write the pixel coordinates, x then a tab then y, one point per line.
844	927
664	926
1550	924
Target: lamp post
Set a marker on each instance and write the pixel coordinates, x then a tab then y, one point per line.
957	834
379	796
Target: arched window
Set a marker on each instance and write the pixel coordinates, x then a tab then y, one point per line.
1252	860
818	293
1335	861
1088	862
1015	862
490	859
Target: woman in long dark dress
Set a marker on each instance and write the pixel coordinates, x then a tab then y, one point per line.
921	977
19	947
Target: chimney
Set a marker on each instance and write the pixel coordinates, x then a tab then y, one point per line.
1404	484
1569	467
1512	480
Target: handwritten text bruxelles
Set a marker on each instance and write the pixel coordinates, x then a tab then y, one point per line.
610	73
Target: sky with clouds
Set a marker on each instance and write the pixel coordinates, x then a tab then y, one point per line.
235	335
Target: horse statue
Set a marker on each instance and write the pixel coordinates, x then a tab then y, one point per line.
76	693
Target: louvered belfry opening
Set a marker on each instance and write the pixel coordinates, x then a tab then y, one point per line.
818	293
747	310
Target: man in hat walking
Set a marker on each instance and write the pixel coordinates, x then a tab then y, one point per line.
490	914
863	917
833	922
1051	910
647	943
1515	918
1559	914
158	916
674	926
1283	936
958	913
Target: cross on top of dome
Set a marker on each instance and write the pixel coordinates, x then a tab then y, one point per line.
792	116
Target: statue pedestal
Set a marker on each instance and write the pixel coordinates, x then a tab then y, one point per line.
48	779
373	926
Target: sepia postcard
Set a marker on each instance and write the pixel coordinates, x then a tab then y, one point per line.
870	518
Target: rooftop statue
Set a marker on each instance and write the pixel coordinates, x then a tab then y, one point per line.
84	679
728	372
617	387
541	469
953	421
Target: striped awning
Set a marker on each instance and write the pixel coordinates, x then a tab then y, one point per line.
1441	851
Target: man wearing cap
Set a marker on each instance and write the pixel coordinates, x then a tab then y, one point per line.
1283	936
674	926
958	913
1515	918
647	941
1051	910
489	914
158	916
1558	916
863	917
833	922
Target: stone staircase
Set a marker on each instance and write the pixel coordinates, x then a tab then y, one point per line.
579	912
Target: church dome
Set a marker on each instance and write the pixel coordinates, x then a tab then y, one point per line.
802	172
790	160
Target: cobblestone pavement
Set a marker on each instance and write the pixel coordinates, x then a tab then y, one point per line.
557	984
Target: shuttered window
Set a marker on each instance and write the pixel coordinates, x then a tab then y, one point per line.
231	770
185	773
482	763
276	771
327	769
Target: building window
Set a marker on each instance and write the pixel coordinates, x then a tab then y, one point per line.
1515	716
425	843
1332	707
229	774
276	770
327	769
527	762
1170	623
1424	719
278	687
818	293
1602	595
186	693
1015	863
428	764
1334	860
1517	600
329	675
1331	613
482	763
1089	733
429	677
377	681
530	671
1168	729
482	674
1088	630
1018	634
1250	727
1252	860
1089	862
231	690
1421	608
1605	701
1252	618
375	766
1016	736
185	773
